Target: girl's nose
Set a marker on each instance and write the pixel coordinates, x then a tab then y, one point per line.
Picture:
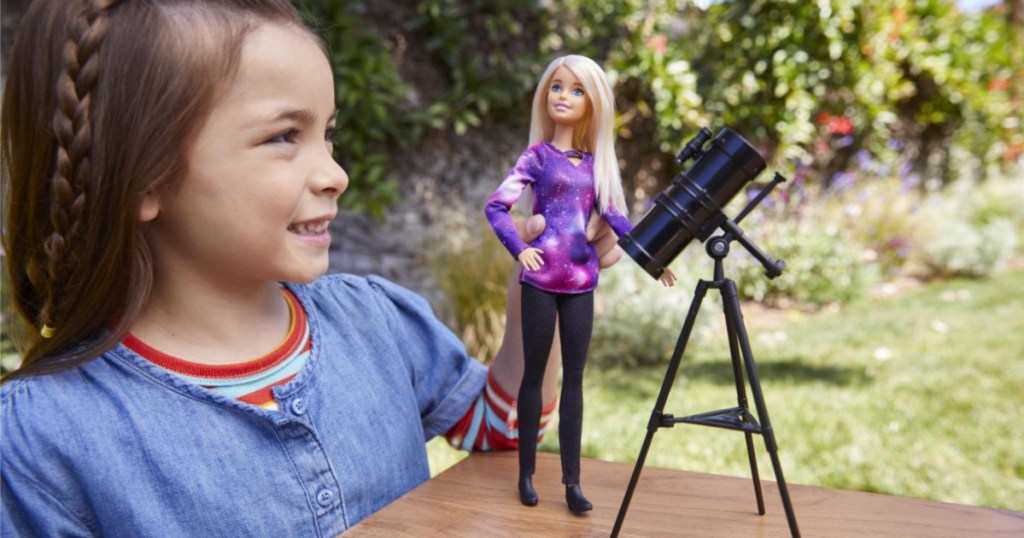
328	176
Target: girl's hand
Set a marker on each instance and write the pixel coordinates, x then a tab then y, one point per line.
605	241
668	278
531	258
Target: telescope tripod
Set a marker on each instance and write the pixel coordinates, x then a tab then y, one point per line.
737	418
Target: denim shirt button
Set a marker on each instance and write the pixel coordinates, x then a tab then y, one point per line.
298	406
324	497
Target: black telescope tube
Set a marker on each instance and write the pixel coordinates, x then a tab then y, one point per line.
691	206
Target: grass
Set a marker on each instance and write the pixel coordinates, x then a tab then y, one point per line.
918	395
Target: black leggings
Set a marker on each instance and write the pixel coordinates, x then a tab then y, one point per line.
575	314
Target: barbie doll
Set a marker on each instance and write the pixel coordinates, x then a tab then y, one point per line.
572	170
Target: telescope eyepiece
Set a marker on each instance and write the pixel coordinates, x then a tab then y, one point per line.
695	147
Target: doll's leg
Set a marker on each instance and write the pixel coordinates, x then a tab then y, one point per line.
538	321
575	320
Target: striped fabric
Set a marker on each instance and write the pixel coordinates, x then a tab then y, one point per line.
491	423
249	381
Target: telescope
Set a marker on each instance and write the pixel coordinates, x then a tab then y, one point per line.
691	206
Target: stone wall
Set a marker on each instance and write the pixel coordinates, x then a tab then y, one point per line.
444	182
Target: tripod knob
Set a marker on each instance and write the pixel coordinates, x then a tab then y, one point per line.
717	247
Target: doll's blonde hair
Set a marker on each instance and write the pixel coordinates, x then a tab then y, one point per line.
595	133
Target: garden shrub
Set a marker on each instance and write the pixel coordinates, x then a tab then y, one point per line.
959	240
962	249
878	215
822	266
636	319
472	269
1001	197
10	323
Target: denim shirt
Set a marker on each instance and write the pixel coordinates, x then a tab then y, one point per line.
121	447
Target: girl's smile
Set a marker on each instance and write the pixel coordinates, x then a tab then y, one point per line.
315	232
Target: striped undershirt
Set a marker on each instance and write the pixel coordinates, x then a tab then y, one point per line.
250	381
492	423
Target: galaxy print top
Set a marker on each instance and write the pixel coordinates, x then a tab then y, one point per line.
564	194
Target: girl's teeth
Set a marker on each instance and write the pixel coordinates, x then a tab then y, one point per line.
311	228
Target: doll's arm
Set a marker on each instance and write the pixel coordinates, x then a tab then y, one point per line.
617	221
500	203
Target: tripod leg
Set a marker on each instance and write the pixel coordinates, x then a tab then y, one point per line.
731	321
666	386
733	311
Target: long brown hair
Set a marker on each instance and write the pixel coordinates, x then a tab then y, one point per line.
102	101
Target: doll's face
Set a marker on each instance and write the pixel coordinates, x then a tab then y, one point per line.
568	102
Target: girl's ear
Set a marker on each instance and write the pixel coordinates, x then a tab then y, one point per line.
150	206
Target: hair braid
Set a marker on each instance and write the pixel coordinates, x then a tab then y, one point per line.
72	128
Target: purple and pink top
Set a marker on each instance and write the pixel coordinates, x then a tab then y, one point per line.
564	193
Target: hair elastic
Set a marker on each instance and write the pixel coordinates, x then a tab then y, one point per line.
46	331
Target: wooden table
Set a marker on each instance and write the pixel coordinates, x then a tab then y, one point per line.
478	498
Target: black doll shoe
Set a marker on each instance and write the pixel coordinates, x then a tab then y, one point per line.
527	495
576	501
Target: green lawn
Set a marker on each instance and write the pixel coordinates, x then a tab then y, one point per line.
918	395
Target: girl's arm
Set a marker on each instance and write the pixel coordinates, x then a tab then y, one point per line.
507	367
621	225
489	424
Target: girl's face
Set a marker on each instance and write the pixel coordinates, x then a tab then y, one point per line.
568	102
261	186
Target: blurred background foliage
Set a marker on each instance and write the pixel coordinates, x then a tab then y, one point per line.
812	84
898	122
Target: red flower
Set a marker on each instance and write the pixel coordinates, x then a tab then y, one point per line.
839	126
659	43
999	84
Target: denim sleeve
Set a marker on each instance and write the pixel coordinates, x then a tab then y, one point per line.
445	379
30	511
29	506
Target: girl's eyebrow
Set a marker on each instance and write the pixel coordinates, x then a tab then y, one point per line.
300	115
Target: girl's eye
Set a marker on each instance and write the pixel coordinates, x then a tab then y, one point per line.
331	136
578	92
286	137
556	88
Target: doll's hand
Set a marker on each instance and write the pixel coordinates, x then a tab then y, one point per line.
668	278
531	258
600	233
529	230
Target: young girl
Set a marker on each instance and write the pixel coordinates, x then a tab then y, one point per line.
188	371
572	169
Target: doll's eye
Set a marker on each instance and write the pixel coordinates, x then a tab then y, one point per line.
578	92
556	88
